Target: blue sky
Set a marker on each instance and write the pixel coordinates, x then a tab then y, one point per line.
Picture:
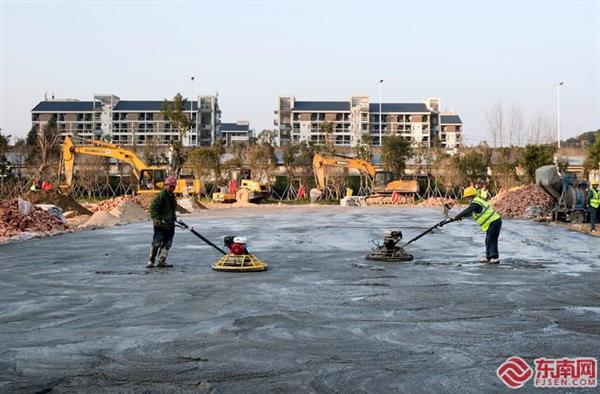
470	54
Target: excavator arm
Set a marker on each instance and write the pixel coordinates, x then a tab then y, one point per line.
322	161
97	148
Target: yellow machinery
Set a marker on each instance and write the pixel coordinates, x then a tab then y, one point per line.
150	179
247	190
243	263
238	260
381	183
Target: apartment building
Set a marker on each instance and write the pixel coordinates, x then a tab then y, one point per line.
358	119
239	132
129	122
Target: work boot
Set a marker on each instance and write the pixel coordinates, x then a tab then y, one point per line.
162	258
152	256
485	260
494	261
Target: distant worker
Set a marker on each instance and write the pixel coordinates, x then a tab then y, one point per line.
484	193
36	185
593	204
162	213
487	218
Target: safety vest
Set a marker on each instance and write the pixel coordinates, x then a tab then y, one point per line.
487	215
483	194
477	192
595	200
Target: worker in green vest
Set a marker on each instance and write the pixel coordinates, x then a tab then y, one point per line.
487	218
484	192
593	203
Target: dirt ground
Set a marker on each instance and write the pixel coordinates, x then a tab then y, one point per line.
80	312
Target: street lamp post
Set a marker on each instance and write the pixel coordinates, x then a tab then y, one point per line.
380	134
558	85
191	111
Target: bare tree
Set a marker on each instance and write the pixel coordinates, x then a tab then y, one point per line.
495	120
515	125
541	129
47	142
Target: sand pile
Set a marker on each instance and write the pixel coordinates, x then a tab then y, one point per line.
53	197
515	201
125	213
32	219
108	204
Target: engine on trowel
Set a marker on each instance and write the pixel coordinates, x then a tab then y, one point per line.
389	250
236	245
238	259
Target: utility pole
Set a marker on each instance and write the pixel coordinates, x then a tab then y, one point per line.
191	112
380	134
558	85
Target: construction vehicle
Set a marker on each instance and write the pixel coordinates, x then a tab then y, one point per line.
568	192
380	185
246	191
149	178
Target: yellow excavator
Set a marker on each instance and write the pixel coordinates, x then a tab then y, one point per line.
382	184
150	179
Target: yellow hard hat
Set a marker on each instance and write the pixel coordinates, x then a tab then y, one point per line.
594	183
469	191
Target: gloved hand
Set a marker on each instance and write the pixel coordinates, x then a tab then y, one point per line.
157	223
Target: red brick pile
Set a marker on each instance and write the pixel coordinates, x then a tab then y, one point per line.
434	202
513	202
13	222
107	205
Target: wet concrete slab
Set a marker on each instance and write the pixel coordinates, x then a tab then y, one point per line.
80	312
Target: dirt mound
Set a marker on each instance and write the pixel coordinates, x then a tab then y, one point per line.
13	222
129	212
514	202
125	213
434	202
53	197
108	204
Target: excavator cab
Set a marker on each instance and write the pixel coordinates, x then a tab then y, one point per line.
151	180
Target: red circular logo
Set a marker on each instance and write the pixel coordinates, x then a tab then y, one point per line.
514	372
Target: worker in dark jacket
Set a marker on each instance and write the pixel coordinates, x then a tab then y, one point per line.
162	213
593	203
487	218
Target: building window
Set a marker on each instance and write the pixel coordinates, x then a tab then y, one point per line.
35	117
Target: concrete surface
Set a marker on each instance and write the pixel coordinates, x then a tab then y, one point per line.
80	312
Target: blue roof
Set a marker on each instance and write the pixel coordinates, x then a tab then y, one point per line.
450	119
321	106
398	107
233	127
124	105
64	106
147	105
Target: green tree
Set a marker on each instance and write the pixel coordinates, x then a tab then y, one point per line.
31	143
364	149
592	160
175	113
471	166
4	139
394	153
534	156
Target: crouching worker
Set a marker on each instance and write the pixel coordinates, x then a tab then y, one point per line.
487	218
162	213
